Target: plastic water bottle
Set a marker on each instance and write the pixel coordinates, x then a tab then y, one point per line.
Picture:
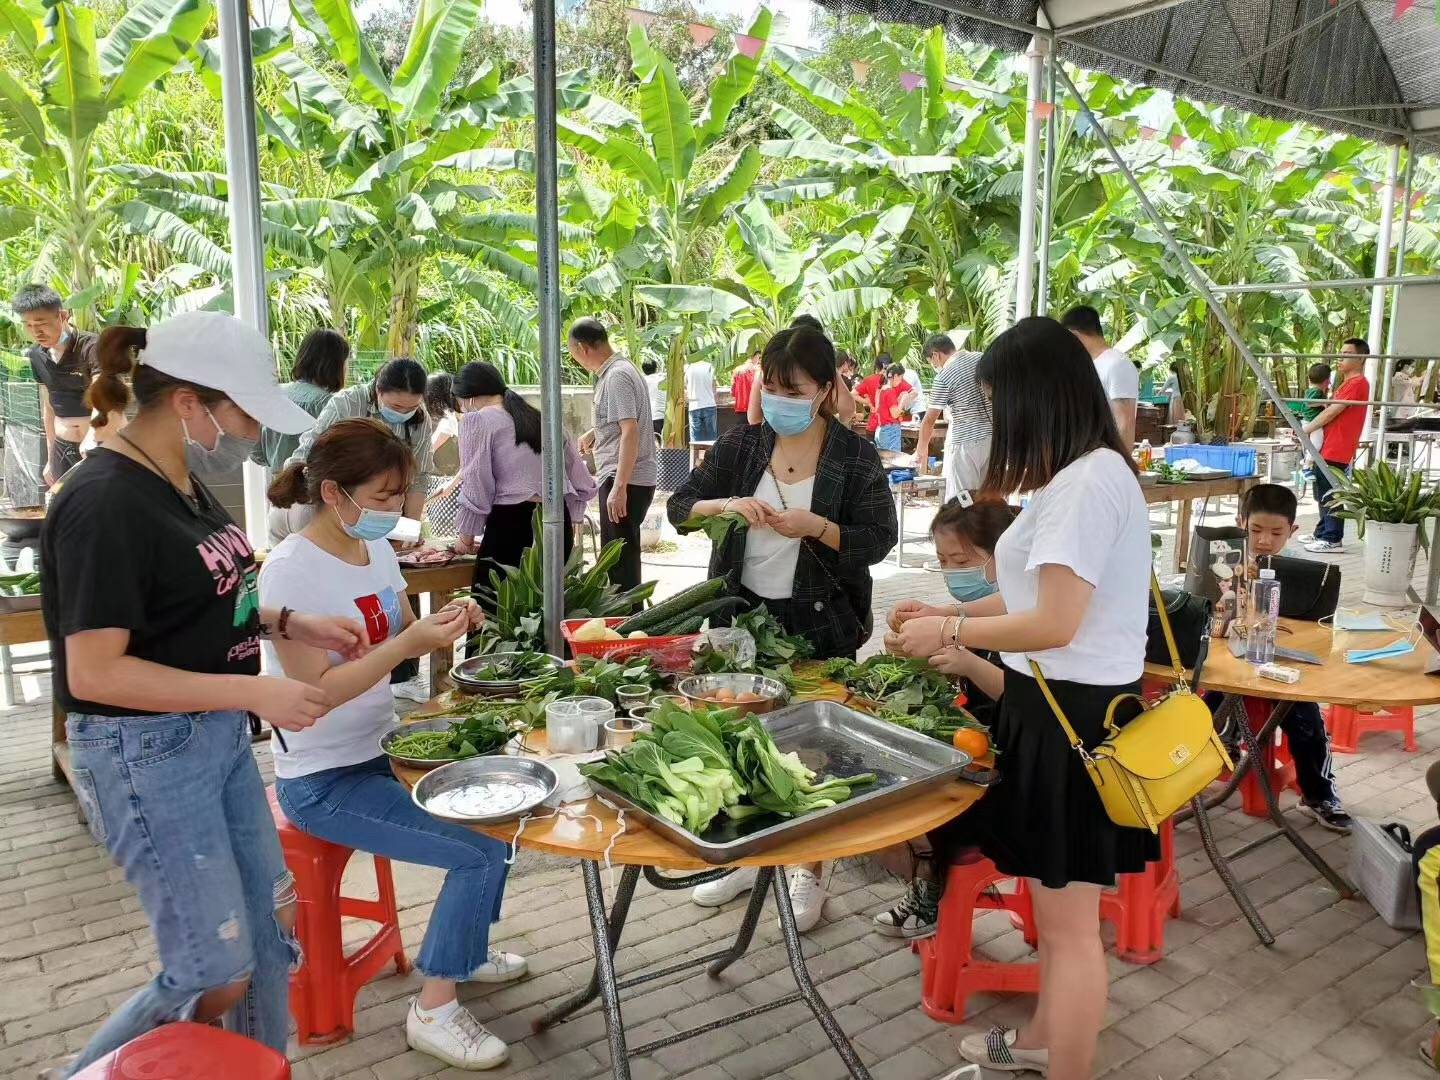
1264	613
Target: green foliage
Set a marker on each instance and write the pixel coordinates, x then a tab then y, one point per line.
1383	495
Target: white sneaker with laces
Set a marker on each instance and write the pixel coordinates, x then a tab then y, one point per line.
1326	547
501	967
807	897
719	893
459	1039
1305	538
411	690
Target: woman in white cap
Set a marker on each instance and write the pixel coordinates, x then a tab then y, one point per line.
155	625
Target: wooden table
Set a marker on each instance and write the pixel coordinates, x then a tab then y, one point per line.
1400	681
639	850
1186	494
437	582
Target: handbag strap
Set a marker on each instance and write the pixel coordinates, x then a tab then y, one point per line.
1075	742
1165	626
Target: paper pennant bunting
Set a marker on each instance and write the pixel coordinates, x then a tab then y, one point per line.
1177	142
638	17
701	34
748	46
1044	110
909	81
1285	166
1402	6
861	70
1148	133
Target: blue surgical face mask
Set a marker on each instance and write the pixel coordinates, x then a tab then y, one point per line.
371	524
970	583
390	416
788	416
1396	648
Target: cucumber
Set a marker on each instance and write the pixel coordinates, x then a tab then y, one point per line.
723	605
668	610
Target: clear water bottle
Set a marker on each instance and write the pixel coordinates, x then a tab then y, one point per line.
1264	614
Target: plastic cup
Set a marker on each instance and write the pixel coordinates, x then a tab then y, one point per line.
632	695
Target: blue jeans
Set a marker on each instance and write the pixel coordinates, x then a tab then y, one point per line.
887	437
1329	527
178	802
364	807
704	424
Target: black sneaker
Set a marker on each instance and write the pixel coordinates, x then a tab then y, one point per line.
916	914
1330	814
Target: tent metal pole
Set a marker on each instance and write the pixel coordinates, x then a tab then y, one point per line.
1317	286
242	177
1382	268
1047	190
547	235
1389	364
1029	183
1197	280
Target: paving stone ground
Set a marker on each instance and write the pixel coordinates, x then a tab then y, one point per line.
1332	1000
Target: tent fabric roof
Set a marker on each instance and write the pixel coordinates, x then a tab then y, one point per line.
1346	65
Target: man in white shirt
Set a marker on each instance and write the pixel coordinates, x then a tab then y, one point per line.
967	444
1118	375
654	377
700	398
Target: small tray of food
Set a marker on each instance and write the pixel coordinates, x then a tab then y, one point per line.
423	742
504	674
756	694
416	558
834	764
485	790
20	591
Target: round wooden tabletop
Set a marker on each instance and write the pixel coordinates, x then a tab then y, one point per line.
1398	681
586	830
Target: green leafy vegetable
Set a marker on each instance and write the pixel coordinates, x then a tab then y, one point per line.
715	526
595	677
899	684
482	733
524	665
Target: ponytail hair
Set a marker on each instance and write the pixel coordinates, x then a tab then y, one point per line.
351	453
118	357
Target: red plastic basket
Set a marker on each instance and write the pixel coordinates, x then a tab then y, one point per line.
660	648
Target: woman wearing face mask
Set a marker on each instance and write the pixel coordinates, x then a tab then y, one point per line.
819	515
330	780
155	626
965	537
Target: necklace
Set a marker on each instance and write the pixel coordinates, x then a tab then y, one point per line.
192	501
784	458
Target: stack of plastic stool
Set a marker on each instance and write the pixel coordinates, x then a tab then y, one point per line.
1348	724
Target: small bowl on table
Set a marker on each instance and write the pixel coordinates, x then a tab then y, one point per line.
462	675
751	694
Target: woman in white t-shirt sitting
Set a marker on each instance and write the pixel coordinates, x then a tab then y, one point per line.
330	779
1073	571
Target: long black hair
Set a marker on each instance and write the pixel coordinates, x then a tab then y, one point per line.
321	359
403	376
479	379
1048	406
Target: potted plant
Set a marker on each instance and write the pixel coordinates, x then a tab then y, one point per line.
1394	508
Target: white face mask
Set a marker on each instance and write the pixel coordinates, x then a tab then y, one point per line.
227	455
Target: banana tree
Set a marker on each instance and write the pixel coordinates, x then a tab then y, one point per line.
682	174
84	80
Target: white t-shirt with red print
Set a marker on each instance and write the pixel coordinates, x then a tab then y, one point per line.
302	577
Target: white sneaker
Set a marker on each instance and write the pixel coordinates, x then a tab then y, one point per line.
501	967
996	1050
915	916
719	893
1305	538
411	690
458	1040
1326	547
807	897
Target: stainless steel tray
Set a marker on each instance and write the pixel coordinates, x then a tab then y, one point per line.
484	790
833	741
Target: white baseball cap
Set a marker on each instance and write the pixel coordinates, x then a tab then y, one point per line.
218	351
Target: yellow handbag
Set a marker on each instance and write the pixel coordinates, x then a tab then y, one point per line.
1165	756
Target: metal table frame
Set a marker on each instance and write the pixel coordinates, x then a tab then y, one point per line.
1233	708
606	930
914	486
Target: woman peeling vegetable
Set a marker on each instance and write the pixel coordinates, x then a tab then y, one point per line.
330	780
154	625
818	515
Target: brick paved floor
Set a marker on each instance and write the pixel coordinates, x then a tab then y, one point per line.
1332	999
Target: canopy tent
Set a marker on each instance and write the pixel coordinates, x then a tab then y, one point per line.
1346	65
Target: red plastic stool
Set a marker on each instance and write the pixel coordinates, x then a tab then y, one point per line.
189	1052
1274	756
1141	903
948	972
1348	724
322	992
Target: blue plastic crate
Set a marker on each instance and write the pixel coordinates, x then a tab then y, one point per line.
1236	460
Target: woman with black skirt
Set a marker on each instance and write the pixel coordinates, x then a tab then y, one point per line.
819	515
500	475
1073	570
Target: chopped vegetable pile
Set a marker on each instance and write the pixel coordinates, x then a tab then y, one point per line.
696	764
899	684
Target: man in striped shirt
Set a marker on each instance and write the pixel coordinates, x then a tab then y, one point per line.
967	447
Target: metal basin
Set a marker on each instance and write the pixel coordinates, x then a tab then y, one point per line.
439	723
485	790
463	676
701	689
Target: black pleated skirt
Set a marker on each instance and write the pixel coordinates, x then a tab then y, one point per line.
1043	818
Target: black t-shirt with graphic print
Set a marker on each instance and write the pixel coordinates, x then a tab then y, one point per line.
123	549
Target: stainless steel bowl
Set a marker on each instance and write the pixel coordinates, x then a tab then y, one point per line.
439	723
485	790
461	674
702	688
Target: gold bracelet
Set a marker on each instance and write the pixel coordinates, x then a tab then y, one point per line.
955	636
944	626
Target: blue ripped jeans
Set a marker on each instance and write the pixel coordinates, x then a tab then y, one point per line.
364	807
178	802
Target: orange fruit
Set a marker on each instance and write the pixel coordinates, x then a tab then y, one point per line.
973	741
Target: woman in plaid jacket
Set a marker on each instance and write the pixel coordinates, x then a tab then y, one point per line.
813	494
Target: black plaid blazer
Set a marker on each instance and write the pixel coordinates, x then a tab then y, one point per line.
830	602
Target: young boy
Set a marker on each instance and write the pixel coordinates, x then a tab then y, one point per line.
1319	379
1267	514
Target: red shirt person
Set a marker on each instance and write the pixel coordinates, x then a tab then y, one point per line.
868	390
742	383
1342	424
